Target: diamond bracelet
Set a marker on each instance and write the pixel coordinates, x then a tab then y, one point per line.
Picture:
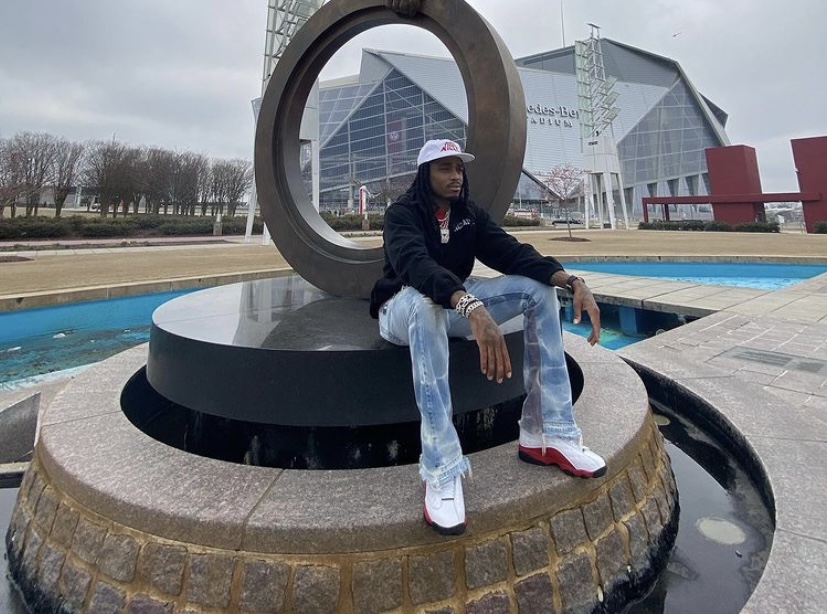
467	304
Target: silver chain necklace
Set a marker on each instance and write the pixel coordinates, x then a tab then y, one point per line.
444	230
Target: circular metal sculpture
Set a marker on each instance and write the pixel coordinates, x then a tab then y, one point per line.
496	132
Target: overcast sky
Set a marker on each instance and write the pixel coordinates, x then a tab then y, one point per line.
180	74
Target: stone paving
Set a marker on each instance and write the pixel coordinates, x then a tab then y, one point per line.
805	301
761	364
757	363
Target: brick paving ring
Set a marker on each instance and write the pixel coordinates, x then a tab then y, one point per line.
495	101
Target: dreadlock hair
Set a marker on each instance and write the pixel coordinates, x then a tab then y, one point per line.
420	188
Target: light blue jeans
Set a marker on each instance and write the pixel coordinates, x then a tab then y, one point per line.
410	318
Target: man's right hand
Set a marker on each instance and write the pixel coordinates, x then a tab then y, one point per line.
495	362
406	8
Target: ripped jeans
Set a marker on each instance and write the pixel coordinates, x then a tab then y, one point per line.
409	318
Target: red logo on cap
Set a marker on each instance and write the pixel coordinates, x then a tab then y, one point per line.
450	146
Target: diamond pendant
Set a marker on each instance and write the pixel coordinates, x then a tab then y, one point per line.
444	234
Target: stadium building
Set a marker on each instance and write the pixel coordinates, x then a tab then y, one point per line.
372	125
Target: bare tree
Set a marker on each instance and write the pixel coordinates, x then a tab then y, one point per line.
10	178
132	188
32	155
67	165
390	188
231	179
240	181
120	174
175	179
218	186
184	185
564	182
204	182
156	177
114	168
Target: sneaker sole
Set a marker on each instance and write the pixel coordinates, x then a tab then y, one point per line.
455	530
564	465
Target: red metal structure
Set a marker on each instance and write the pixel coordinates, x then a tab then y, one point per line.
735	184
810	157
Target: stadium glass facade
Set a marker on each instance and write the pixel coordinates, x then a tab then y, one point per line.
371	134
373	125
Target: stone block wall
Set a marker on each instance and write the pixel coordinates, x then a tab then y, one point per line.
591	556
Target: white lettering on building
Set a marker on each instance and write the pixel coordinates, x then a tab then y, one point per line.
543	115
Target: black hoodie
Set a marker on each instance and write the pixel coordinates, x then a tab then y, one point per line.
415	256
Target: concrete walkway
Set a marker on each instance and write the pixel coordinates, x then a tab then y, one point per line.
758	373
805	301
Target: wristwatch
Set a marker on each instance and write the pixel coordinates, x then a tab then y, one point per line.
570	282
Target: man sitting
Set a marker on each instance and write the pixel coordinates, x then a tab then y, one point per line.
432	236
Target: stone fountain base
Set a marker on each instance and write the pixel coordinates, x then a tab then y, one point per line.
110	520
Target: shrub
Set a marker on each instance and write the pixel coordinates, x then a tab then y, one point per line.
100	229
188	227
513	220
377	221
352	221
757	227
232	226
238	226
672	225
712	226
32	228
820	227
142	224
148	221
43	230
717	226
75	221
104	227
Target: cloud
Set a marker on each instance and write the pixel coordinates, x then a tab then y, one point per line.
180	74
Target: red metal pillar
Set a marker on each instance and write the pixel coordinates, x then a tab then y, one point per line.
810	157
734	170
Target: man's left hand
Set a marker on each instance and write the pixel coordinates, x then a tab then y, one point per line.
406	8
583	299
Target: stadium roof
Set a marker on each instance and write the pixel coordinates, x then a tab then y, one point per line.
548	79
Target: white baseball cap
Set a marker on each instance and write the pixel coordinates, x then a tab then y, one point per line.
441	148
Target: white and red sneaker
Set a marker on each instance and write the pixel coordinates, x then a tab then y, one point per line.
572	458
445	508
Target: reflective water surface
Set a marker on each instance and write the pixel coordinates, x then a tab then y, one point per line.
709	572
758	275
34	342
37	341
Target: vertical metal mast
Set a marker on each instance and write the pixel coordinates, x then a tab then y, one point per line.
284	18
596	98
